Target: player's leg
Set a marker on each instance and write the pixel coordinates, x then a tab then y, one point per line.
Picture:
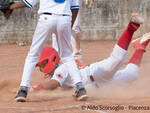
133	25
76	47
64	44
105	69
75	40
41	35
131	71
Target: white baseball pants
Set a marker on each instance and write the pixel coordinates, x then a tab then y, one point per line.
75	29
48	24
107	71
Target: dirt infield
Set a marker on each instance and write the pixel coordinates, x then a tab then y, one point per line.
132	98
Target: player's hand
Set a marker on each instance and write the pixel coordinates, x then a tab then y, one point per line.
89	3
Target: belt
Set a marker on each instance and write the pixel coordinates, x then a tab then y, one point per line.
46	13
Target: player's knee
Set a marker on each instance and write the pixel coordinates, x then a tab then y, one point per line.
113	65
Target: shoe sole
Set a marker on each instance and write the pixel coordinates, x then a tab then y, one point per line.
20	99
82	98
143	39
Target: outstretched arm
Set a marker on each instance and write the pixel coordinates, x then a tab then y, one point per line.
51	84
47	85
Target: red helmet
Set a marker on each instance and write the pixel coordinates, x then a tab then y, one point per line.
50	54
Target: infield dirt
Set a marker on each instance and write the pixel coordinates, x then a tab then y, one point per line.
131	98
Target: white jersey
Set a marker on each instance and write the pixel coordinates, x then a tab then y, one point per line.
99	73
50	6
62	76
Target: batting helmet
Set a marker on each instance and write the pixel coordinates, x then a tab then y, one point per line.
50	54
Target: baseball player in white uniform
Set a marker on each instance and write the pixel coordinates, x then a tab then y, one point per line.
75	38
55	17
105	71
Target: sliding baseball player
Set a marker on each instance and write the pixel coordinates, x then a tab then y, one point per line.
102	72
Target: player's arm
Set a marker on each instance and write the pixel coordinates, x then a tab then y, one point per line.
17	5
24	3
7	7
74	15
74	10
53	83
50	84
91	3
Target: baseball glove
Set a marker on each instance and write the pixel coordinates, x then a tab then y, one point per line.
4	7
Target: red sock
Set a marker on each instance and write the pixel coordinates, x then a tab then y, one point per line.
126	37
137	57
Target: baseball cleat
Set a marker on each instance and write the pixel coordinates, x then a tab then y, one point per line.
80	94
136	18
21	96
142	42
80	64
